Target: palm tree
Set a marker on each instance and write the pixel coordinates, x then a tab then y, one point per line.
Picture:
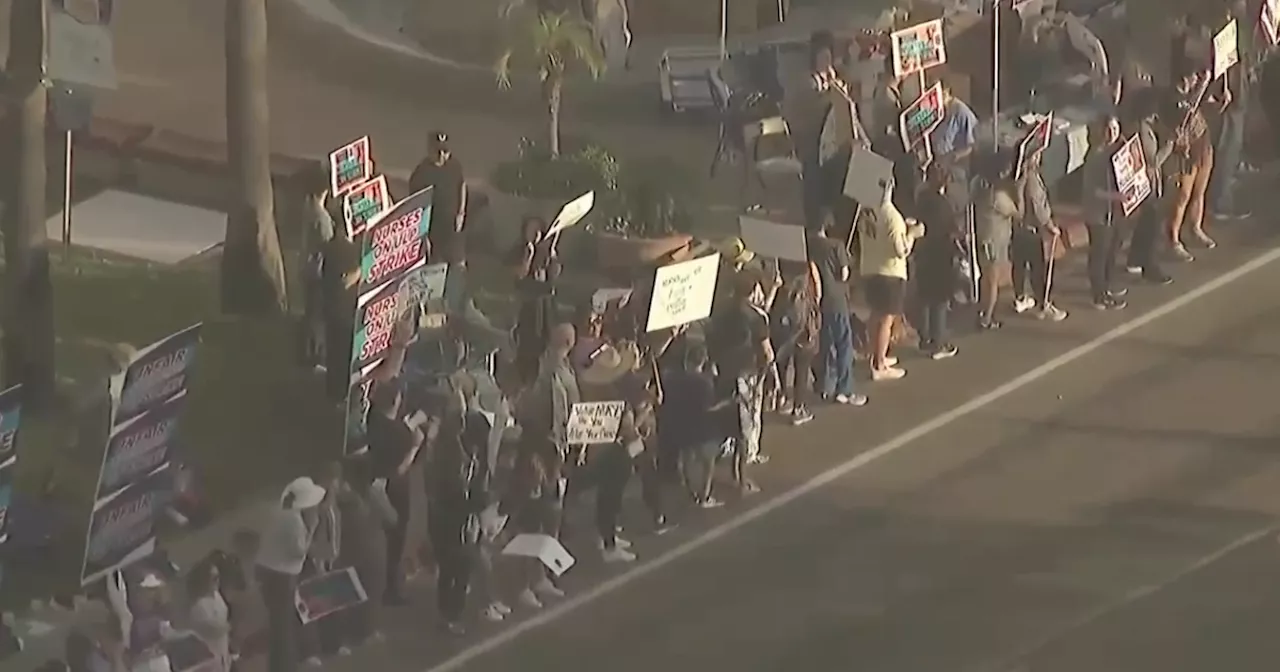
549	43
28	301
253	279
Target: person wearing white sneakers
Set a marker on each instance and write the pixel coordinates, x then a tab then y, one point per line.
835	332
886	241
1032	272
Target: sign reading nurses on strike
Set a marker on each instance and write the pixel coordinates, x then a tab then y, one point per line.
396	241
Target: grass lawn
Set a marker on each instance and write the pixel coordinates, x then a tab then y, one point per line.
255	417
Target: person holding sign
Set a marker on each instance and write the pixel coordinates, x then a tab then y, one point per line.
1192	165
953	141
442	172
1033	246
394	444
339	282
887	240
1101	198
1231	96
934	261
997	205
835	328
535	267
281	558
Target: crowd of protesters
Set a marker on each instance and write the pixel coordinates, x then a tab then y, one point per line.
482	446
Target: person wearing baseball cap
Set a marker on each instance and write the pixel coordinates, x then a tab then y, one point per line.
281	557
441	171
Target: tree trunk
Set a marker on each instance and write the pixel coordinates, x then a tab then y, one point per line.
253	280
554	94
28	301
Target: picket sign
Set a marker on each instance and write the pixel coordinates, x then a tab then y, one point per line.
349	166
683	292
594	422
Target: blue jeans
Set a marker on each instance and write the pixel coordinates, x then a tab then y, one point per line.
1227	151
836	340
933	325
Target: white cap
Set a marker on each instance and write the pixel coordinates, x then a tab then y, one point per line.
302	493
151	581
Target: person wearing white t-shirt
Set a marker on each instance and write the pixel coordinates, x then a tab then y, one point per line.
886	242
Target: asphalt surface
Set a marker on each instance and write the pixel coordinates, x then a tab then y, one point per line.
1115	513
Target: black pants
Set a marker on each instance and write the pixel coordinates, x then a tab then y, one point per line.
283	625
397	535
1103	244
613	472
445	523
651	481
1030	266
1146	236
338	336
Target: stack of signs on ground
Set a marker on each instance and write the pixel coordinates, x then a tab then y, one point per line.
919	119
1132	179
10	419
683	292
918	48
394	281
135	482
780	241
1036	141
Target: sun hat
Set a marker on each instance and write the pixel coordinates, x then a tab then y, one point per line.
302	493
609	363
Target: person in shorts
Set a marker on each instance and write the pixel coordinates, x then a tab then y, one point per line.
887	239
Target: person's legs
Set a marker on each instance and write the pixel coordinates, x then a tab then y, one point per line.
397	535
614	473
988	286
1227	160
1023	254
747	445
282	619
935	319
1101	256
651	487
827	342
801	383
842	332
446	538
1200	186
1185	185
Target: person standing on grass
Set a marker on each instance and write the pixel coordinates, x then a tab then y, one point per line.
1141	111
934	265
1032	282
393	451
282	555
887	240
441	171
1101	199
835	330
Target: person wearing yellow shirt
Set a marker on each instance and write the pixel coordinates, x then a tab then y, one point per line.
887	239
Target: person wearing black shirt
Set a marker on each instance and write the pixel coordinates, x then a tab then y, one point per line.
744	353
696	424
454	503
934	265
393	449
836	331
441	171
535	267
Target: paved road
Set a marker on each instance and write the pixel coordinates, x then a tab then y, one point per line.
1114	513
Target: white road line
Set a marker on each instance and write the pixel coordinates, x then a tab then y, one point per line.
835	473
1128	599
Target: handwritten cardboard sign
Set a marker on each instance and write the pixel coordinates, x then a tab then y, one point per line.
918	48
1226	49
364	203
867	178
545	548
683	292
919	118
350	165
1130	166
592	422
1036	141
